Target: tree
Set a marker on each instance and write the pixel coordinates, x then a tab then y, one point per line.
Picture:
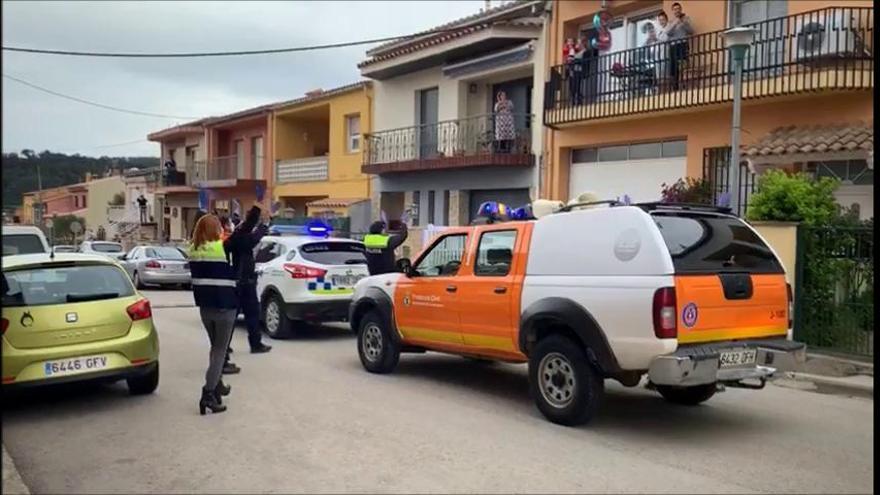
796	197
118	199
690	190
61	226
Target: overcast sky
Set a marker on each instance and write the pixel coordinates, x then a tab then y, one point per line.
194	87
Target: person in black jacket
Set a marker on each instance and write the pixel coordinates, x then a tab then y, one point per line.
379	247
241	246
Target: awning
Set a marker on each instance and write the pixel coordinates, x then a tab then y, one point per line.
792	144
335	202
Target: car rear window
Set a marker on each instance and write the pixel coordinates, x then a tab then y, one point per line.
711	244
64	249
107	247
64	284
22	244
165	253
333	253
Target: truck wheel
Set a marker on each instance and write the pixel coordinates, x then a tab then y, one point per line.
566	389
143	385
687	396
379	353
278	325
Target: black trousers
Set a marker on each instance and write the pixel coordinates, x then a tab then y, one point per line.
678	53
249	305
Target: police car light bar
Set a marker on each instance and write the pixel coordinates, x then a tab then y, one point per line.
314	228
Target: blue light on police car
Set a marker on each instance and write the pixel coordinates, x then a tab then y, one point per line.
318	228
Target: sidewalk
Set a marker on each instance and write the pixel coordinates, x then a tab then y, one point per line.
12	483
832	375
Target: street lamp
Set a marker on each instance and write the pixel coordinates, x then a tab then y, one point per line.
737	40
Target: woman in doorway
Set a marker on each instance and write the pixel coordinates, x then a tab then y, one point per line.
213	284
505	127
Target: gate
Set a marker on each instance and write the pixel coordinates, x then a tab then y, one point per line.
716	170
834	300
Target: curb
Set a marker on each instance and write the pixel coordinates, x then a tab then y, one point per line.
858	386
12	482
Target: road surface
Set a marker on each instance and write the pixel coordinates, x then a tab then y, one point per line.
307	418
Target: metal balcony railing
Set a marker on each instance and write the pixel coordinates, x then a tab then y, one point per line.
829	48
468	137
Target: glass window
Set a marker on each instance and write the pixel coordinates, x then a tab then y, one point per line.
711	244
106	247
334	253
263	253
584	155
60	285
22	244
353	132
645	150
417	199
495	253
167	253
431	207
613	153
444	257
446	207
674	149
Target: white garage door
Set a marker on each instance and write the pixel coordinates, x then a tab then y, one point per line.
616	171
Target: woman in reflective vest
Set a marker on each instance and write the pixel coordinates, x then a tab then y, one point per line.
213	284
379	247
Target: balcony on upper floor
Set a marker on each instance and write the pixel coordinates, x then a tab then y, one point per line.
481	140
824	50
308	169
224	171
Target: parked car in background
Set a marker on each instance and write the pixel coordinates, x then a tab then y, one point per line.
73	317
23	239
63	248
113	250
157	265
306	279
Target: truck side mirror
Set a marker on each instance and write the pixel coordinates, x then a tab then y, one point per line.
404	265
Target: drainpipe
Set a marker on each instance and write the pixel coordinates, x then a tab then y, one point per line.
369	119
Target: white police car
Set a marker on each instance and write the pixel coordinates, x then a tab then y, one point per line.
304	276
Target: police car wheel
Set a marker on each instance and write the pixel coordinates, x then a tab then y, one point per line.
378	352
566	389
275	321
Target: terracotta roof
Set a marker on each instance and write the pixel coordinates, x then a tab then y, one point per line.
190	127
335	202
447	32
317	95
814	139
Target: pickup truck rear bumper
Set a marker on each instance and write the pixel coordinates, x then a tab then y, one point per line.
699	364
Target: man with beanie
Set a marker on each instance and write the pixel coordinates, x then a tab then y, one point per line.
241	245
380	247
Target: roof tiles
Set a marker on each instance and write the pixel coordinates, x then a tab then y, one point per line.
829	138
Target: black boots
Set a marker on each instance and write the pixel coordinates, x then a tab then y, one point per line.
210	400
221	391
260	348
230	368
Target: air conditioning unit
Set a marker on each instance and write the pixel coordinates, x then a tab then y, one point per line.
829	34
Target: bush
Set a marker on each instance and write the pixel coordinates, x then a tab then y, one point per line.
690	190
61	226
118	200
794	198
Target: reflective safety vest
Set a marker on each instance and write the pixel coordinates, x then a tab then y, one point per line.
213	279
376	241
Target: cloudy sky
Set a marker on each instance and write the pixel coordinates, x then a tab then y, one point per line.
191	87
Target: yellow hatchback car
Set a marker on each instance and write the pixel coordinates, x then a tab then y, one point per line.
75	317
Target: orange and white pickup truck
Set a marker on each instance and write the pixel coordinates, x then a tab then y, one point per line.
692	297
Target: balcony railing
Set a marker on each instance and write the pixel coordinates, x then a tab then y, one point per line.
824	49
309	169
191	174
479	140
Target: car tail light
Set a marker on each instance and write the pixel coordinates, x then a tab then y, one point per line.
665	314
302	271
140	310
790	304
153	264
5	325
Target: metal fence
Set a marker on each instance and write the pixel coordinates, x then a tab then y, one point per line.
834	300
716	170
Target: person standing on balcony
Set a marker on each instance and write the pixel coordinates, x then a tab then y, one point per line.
170	169
142	207
505	126
576	72
678	31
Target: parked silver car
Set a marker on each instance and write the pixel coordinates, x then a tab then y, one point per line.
112	250
157	265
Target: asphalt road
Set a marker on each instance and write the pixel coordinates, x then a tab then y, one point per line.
307	418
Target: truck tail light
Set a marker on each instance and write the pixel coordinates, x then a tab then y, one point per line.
5	325
665	313
153	264
140	310
302	271
790	305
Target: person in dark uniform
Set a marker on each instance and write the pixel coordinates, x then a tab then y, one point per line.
380	247
241	245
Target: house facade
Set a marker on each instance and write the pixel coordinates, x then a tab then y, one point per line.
318	151
438	148
640	114
88	199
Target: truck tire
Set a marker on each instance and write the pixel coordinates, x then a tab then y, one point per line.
378	351
687	396
275	321
565	388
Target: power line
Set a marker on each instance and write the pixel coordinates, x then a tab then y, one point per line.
99	105
228	53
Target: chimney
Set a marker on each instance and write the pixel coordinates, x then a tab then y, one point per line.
88	176
314	92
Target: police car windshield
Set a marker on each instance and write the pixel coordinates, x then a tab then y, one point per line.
711	244
333	253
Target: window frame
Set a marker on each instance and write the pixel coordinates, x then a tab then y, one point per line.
427	252
480	243
350	138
